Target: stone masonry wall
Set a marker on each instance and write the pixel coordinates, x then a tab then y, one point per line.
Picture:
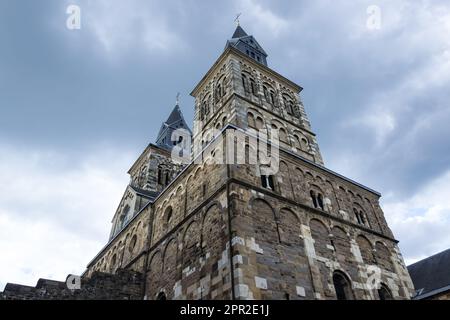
124	285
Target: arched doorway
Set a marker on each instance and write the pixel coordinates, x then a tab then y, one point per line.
342	286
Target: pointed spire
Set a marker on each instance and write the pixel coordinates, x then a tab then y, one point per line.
247	45
239	33
173	122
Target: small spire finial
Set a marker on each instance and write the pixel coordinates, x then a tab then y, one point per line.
237	19
178	99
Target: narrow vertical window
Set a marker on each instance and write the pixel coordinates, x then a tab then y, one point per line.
313	198
244	82
253	85
342	286
320	201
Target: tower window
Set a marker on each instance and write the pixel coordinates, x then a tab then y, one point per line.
168	215
132	243
320	201
342	286
313	198
244	82
253	85
159	176
267	182
218	92
266	94
360	217
317	200
272	97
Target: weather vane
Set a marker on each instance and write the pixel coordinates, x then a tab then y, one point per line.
178	98
237	19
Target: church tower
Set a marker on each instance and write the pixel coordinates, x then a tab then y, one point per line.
210	230
230	230
242	90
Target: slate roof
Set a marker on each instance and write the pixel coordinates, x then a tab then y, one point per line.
239	33
431	275
247	44
174	121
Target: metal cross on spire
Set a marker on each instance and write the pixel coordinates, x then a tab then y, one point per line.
237	18
178	99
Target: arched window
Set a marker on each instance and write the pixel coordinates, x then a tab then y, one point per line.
297	142
159	176
259	123
357	215
132	243
283	135
218	94
272	97
244	83
251	120
113	261
266	94
267	182
320	201
361	217
384	293
223	91
161	296
254	88
305	143
313	198
342	286
168	215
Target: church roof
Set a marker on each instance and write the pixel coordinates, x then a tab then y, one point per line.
431	275
239	33
173	122
248	45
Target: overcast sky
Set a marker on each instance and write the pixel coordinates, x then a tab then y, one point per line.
78	106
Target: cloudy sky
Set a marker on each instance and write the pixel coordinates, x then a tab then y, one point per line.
78	106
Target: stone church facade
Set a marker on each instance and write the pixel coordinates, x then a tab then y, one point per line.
210	230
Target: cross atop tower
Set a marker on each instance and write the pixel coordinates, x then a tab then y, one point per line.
237	19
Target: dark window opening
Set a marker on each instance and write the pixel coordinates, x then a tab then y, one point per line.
159	176
313	198
267	182
320	201
161	296
384	293
244	82
342	287
253	85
